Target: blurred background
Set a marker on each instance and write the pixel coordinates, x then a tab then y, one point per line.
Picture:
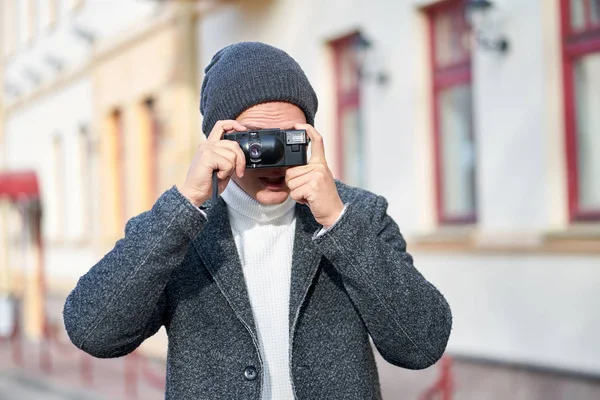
478	120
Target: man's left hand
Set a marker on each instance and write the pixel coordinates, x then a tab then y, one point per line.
313	183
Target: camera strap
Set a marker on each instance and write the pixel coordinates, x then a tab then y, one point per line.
215	187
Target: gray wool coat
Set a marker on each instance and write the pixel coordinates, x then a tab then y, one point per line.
176	268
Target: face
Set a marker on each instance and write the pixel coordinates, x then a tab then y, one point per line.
267	185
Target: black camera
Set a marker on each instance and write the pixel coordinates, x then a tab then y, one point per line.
269	148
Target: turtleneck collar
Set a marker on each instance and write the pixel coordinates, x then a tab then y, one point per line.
240	201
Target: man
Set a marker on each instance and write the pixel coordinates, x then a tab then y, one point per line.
273	291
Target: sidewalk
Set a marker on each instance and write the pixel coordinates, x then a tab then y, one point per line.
68	373
64	379
19	385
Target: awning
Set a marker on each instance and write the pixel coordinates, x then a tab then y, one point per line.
19	185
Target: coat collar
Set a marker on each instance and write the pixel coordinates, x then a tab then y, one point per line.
305	261
216	247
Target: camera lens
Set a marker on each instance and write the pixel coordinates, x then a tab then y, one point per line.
255	150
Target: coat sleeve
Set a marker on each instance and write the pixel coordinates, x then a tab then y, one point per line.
406	316
120	301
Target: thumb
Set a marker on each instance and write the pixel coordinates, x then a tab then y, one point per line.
317	148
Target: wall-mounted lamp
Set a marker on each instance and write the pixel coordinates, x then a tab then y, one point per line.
54	62
477	14
12	90
32	76
362	48
84	34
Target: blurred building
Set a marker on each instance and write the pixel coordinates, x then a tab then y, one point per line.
100	100
482	132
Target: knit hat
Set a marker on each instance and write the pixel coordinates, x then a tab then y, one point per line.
245	74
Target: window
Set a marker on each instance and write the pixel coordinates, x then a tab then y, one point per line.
9	26
48	14
350	146
23	23
120	164
52	13
581	69
152	131
75	4
87	157
60	188
454	144
32	20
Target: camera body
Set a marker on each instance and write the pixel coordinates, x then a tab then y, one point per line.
270	148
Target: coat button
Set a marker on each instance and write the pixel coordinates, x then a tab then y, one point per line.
250	373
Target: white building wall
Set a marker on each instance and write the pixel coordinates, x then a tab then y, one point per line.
100	19
539	310
509	97
33	119
518	307
29	141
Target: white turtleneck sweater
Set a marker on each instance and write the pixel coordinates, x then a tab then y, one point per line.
264	237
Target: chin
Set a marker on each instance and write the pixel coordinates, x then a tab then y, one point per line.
269	198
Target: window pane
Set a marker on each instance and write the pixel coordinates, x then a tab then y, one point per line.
60	185
451	37
595	11
153	156
587	88
86	159
8	27
348	70
457	152
578	14
354	155
442	32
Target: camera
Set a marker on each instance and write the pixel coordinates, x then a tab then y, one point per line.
269	148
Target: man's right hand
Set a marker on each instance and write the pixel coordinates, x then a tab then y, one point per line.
224	156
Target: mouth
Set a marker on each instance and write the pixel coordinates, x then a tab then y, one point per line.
274	183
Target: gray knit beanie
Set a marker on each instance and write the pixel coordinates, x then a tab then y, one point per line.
245	74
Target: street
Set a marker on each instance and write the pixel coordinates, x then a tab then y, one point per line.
16	385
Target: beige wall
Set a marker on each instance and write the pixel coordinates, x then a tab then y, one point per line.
153	66
154	60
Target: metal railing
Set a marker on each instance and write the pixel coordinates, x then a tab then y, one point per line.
137	368
443	388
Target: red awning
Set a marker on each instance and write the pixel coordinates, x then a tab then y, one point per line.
19	185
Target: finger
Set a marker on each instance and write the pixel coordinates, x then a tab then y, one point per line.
222	165
301	195
224	126
317	148
302	180
240	161
295	172
232	157
229	154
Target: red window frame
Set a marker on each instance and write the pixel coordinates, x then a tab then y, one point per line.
457	73
575	44
347	98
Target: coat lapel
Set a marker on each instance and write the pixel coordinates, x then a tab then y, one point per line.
305	261
217	249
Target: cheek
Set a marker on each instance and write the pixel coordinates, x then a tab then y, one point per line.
249	182
250	177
